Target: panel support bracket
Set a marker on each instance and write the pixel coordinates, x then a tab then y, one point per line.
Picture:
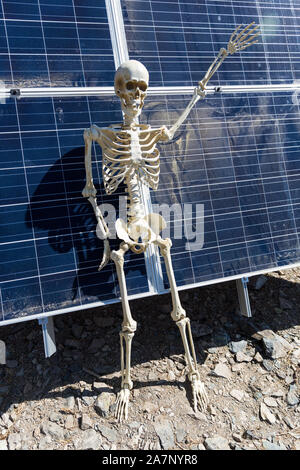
47	325
2	353
243	294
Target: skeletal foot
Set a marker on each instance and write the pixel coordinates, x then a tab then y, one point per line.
122	404
200	398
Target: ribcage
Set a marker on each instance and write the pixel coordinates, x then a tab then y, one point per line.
124	152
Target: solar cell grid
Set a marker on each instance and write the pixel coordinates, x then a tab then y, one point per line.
251	216
177	40
55	43
49	251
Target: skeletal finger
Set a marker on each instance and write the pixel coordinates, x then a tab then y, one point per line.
244	30
247	45
243	38
235	32
244	41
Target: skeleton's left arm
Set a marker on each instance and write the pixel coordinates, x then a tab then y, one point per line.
239	40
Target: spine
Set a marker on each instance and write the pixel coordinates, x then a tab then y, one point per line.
135	206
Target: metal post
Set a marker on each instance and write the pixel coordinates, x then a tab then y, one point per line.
2	352
48	335
244	301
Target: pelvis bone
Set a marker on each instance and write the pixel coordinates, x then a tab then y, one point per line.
140	232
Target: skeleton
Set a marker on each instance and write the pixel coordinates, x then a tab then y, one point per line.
130	155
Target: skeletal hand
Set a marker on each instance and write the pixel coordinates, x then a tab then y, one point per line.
122	404
245	38
200	398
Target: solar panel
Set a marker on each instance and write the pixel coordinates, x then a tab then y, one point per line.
55	43
177	40
49	251
236	158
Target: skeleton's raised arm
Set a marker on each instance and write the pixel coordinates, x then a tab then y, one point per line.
239	40
90	192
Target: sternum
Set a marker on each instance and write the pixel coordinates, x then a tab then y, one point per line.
135	148
135	204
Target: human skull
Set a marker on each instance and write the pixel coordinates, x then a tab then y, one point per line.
131	83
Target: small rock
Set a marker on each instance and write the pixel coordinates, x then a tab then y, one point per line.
201	447
258	357
288	422
85	422
77	330
200	330
69	403
221	370
53	430
216	443
277	393
285	304
267	445
269	401
88	400
72	343
212	410
3	445
89	440
198	415
213	350
260	282
171	376
12	364
238	367
55	417
180	434
292	398
110	434
242	357
103	322
237	394
268	365
237	437
237	346
149	407
45	443
14	441
266	414
96	345
165	433
103	403
275	346
69	422
248	434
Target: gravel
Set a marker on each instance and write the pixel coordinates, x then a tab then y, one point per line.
250	368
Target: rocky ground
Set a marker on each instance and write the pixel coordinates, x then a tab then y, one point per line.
250	368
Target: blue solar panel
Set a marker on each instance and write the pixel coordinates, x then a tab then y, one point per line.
236	156
49	250
239	156
55	43
177	40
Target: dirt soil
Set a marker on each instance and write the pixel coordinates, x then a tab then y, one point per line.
67	401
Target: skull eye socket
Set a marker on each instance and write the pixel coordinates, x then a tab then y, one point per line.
129	85
142	86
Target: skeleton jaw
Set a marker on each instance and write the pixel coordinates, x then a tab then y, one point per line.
131	108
